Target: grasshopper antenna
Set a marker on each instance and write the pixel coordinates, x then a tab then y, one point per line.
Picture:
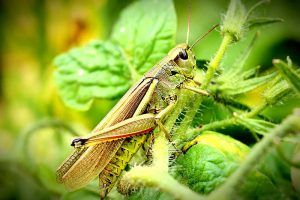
205	34
189	21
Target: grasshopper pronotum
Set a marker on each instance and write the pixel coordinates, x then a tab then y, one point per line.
110	146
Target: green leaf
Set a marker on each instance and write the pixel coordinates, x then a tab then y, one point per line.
259	186
81	194
236	85
279	172
289	74
149	194
146	32
97	70
256	125
143	35
262	21
210	161
276	90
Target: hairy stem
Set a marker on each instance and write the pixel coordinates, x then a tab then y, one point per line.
256	110
154	177
194	132
161	152
215	62
194	104
157	174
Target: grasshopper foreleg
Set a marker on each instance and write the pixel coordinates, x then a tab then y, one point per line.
194	89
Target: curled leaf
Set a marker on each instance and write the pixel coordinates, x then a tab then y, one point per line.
237	85
276	90
146	32
289	74
256	125
143	35
262	21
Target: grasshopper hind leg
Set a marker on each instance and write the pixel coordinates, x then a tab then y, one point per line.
109	176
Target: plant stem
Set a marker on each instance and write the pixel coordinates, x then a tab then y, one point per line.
161	152
197	99
229	189
157	174
154	177
256	110
215	62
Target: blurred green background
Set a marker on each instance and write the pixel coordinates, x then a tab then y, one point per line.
36	127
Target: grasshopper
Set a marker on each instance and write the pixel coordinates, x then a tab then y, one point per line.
113	142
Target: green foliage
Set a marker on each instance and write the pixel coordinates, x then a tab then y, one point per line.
259	186
149	194
271	180
82	194
211	111
276	90
215	157
237	19
107	69
94	71
207	164
240	84
249	97
142	36
145	32
289	74
234	20
254	23
256	125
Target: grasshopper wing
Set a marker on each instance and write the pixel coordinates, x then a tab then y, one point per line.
86	163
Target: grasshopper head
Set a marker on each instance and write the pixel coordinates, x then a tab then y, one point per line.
185	59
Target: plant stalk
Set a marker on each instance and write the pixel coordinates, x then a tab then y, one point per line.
215	62
157	174
197	99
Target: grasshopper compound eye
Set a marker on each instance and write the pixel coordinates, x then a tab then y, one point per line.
183	54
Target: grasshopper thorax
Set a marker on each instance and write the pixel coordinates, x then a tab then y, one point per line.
184	57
